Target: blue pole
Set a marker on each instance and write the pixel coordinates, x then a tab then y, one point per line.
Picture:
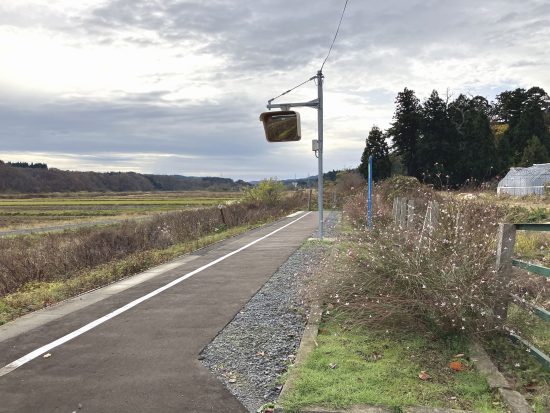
369	205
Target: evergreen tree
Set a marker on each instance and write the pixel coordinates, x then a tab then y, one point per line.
405	129
475	156
377	147
535	152
436	149
508	106
526	114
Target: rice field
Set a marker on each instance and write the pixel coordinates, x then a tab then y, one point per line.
44	210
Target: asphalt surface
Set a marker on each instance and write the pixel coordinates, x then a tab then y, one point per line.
145	359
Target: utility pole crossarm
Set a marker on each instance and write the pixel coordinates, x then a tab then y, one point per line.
285	106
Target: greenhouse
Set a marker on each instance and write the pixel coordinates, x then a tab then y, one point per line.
526	181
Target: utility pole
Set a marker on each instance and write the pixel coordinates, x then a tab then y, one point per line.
320	187
316	104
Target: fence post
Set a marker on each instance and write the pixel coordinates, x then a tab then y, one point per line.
403	213
309	199
220	207
410	214
434	215
369	201
505	250
457	227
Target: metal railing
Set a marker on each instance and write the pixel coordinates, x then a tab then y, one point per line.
505	262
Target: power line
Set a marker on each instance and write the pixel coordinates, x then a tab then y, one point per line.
324	61
290	90
335	35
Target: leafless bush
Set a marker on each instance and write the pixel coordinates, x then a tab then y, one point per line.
444	280
60	255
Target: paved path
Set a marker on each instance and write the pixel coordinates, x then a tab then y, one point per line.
144	359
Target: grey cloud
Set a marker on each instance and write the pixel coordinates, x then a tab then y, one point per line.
134	124
254	36
378	46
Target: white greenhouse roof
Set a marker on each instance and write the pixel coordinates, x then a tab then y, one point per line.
526	181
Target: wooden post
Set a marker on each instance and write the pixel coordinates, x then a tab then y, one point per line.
433	208
223	216
410	214
457	227
394	211
425	224
403	213
505	250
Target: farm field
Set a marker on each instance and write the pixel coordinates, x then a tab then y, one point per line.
36	211
532	202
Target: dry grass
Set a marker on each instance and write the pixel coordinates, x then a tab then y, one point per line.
54	257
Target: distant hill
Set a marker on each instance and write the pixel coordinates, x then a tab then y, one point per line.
311	181
25	179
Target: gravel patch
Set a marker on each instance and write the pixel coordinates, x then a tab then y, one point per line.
257	346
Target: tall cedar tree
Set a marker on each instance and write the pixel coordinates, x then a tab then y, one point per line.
377	147
526	113
405	129
535	152
475	147
436	147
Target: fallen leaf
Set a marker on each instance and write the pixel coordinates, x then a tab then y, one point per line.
376	356
457	366
424	375
47	355
459	355
232	380
260	353
531	387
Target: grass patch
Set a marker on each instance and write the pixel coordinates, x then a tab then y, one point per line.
77	206
533	327
533	246
522	370
379	367
112	201
36	295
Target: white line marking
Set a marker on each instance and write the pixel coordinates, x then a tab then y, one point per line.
39	351
294	214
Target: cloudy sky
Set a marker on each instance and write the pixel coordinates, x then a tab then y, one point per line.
176	86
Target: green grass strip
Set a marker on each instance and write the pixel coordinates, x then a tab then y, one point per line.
382	368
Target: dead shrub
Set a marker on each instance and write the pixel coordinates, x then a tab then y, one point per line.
58	256
443	280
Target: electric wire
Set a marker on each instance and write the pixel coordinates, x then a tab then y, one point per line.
324	61
335	35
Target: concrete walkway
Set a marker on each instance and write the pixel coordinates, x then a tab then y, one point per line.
144	359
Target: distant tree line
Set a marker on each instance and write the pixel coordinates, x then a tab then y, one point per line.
25	165
468	140
39	179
